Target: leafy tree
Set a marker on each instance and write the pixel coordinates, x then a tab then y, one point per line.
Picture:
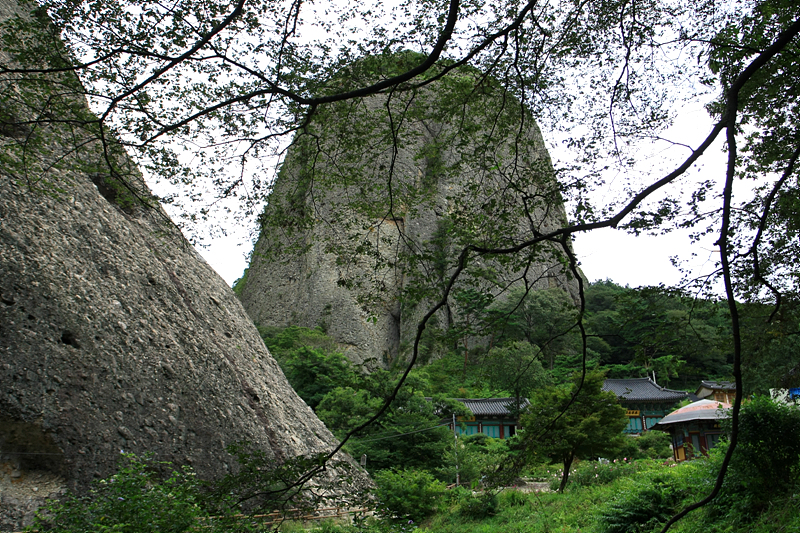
515	368
313	373
282	341
443	376
653	329
544	318
476	458
407	494
410	432
582	421
772	354
310	360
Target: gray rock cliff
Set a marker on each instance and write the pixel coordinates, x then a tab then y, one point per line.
376	199
114	333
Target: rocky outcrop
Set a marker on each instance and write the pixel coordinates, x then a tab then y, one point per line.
114	333
377	199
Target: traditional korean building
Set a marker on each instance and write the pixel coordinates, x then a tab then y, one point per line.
695	428
721	391
494	417
645	401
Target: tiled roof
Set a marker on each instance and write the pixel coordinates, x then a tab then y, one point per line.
641	389
491	406
718	385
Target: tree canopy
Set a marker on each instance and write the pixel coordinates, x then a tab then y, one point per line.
582	421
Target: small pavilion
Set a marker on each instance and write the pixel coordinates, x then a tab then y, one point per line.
695	429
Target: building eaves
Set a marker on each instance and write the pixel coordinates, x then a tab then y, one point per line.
694	412
491	406
718	385
642	389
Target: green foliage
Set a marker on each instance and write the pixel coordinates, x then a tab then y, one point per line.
479	506
766	463
513	498
407	494
239	285
771	347
147	496
134	500
283	341
650	445
515	368
543	318
770	143
588	473
446	376
651	329
310	360
560	429
768	452
262	483
314	373
476	458
410	433
654	445
643	507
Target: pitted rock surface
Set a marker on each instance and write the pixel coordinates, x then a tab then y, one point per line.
115	335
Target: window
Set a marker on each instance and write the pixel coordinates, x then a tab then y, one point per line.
491	431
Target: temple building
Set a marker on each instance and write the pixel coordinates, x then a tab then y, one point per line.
695	428
645	401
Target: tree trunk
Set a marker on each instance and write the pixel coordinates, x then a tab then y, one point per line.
565	476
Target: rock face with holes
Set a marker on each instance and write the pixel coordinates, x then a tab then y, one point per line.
116	335
371	210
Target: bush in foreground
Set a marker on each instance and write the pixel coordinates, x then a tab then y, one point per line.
407	494
134	500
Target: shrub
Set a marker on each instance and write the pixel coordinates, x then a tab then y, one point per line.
407	494
479	506
589	473
654	445
134	500
641	508
768	452
650	445
766	462
513	498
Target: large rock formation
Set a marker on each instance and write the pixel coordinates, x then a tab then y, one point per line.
377	198
114	333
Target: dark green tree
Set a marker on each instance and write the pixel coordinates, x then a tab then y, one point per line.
543	318
643	330
310	360
411	433
580	421
516	369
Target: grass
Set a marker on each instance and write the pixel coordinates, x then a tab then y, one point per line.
608	502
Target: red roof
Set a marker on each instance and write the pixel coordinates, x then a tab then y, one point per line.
699	410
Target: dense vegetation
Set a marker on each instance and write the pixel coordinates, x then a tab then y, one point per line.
529	351
621	496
